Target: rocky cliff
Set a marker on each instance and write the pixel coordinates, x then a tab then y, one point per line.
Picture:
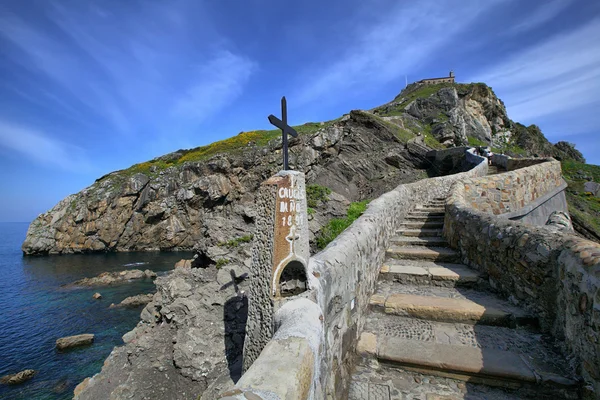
199	198
461	114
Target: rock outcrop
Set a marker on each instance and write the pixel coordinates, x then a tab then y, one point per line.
18	378
74	341
457	114
111	278
134	301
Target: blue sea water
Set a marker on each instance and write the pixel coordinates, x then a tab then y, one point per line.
35	311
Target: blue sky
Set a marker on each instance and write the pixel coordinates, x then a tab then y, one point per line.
89	87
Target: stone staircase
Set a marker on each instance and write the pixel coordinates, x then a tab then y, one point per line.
436	331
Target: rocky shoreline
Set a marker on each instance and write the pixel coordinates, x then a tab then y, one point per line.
188	343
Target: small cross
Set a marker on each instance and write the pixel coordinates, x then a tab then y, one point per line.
285	129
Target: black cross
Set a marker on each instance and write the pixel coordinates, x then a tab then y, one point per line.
285	129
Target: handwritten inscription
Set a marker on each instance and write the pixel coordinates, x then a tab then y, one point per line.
289	199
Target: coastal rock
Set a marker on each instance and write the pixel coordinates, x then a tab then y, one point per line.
111	278
97	296
74	341
181	204
135	301
18	378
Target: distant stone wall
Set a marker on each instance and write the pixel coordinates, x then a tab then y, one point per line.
434	81
326	322
555	275
511	164
512	191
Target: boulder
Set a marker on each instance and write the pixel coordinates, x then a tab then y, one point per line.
97	296
18	378
135	301
74	341
592	187
110	278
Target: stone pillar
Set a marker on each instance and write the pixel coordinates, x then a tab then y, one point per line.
280	255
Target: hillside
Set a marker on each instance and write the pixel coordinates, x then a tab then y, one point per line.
199	198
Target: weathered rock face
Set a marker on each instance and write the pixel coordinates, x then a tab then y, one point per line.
204	203
455	113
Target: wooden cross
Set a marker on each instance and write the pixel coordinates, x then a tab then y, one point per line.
285	129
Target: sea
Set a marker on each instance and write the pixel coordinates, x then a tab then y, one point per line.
35	310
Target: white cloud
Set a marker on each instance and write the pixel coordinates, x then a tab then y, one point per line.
216	84
402	38
545	12
40	148
560	74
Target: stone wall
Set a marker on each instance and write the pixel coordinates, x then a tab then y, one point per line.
342	279
512	191
553	274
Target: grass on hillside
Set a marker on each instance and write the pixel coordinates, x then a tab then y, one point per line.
316	194
337	225
243	139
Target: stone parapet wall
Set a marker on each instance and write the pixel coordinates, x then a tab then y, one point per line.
555	275
517	163
347	270
511	191
342	279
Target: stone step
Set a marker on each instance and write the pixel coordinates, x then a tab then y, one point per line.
423	224
423	253
425	232
452	355
447	304
421	213
430	209
436	204
425	217
435	241
429	273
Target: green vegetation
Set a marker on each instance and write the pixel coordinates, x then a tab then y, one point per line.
221	262
315	194
310	211
583	206
232	144
337	225
507	149
236	241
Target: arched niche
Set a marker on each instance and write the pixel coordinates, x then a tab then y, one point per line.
293	279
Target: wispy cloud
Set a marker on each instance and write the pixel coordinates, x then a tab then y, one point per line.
545	12
557	75
42	148
389	48
215	85
129	66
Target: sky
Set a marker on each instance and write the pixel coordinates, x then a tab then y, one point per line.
92	86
